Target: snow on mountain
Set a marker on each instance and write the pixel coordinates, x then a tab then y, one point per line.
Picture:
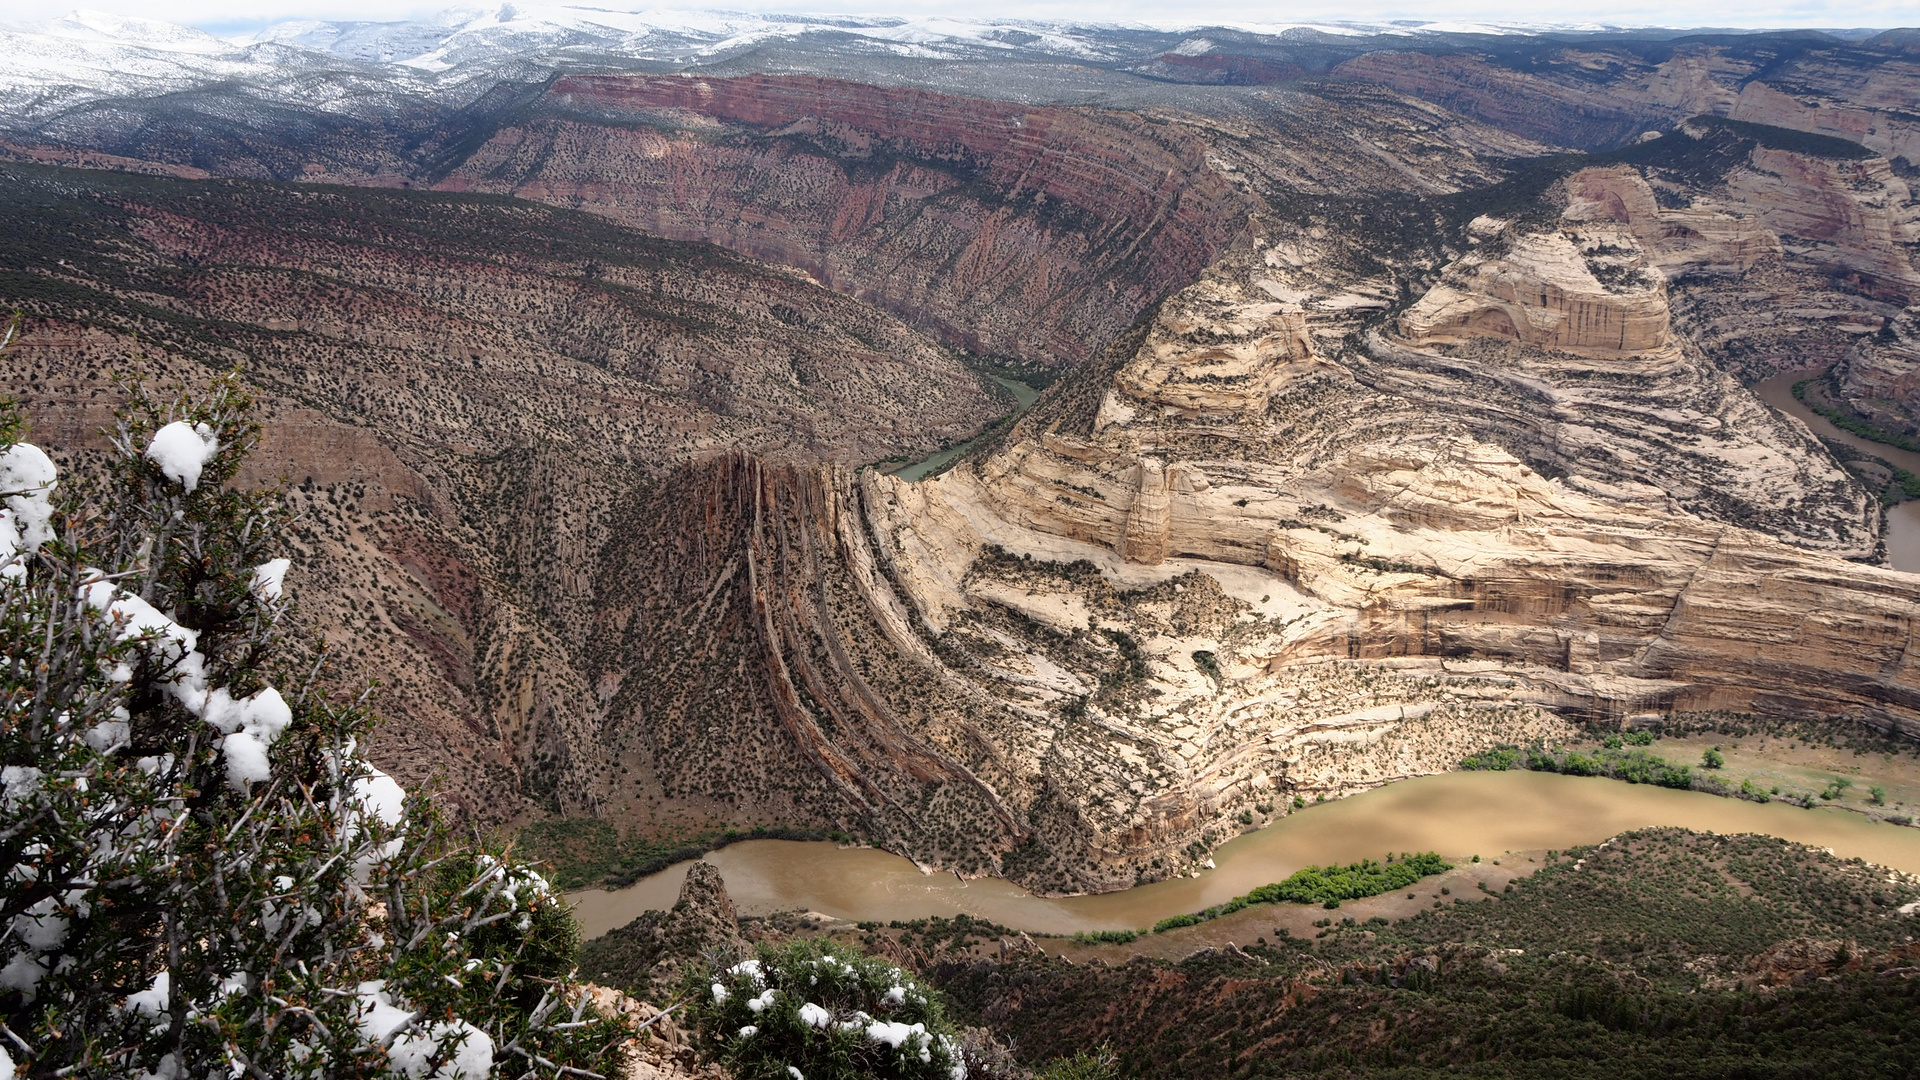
51	67
130	30
667	35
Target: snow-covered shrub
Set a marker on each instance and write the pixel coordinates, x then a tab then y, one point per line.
817	1011
204	876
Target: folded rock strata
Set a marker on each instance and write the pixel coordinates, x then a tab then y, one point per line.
1259	553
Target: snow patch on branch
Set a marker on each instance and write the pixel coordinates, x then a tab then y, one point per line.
464	1051
251	724
181	452
153	1002
27	480
269	578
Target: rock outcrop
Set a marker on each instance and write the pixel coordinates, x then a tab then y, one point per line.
650	956
1692	240
1546	291
1879	377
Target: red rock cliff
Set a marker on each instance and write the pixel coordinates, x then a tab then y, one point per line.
1030	232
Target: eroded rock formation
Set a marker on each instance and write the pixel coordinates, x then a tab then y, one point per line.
1546	290
1264	550
652	955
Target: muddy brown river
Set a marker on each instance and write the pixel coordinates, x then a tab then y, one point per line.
1457	814
1903	521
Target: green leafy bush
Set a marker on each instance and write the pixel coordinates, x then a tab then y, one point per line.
1099	1064
1635	766
1324	885
819	1011
1207	662
1105	937
1319	884
1498	759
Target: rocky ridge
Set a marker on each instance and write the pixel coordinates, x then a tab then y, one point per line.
1595	95
955	213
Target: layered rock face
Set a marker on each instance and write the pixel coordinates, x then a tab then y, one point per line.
1264	549
1546	291
1852	218
1022	231
1691	240
1347	584
1873	106
1879	377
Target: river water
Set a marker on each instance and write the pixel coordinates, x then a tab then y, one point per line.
1023	395
1903	521
1457	814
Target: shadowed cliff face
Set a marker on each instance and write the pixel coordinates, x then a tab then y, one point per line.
463	393
1026	232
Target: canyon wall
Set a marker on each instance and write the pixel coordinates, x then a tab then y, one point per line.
1595	96
1018	231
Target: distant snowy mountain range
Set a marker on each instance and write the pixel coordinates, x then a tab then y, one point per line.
49	67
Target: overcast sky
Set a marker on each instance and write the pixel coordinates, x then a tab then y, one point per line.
228	15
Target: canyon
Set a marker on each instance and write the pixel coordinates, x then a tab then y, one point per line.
1257	554
1383	426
